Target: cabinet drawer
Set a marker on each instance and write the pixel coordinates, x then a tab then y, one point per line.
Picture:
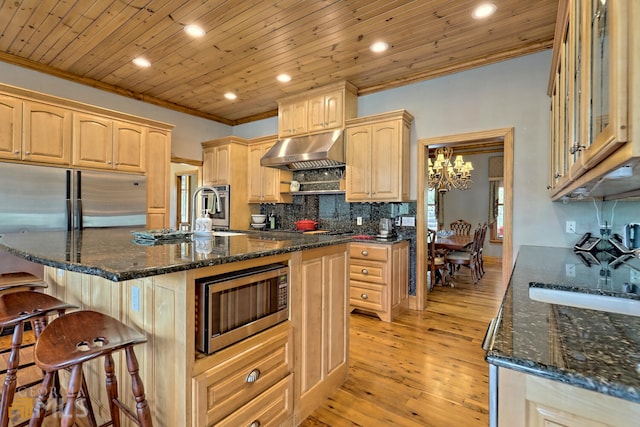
367	296
226	387
271	408
374	272
371	252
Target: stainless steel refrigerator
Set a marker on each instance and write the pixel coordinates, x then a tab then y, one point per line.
48	198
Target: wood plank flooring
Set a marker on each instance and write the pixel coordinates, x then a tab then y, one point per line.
424	369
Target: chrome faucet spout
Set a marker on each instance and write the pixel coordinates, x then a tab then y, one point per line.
194	205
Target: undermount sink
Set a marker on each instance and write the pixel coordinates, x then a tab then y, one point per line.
628	306
226	233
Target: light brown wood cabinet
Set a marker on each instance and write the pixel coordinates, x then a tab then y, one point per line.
379	278
377	157
292	118
265	184
225	163
592	88
217	164
317	110
251	382
530	401
34	131
42	129
104	143
320	320
326	111
11	128
158	152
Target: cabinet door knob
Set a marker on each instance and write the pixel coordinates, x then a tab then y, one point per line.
253	376
365	271
364	253
364	296
28	153
16	152
256	423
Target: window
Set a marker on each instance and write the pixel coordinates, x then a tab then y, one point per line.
497	216
432	210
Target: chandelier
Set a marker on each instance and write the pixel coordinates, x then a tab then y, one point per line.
443	176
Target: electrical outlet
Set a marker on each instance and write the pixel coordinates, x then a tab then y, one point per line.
634	276
571	227
135	298
359	220
398	221
570	270
408	221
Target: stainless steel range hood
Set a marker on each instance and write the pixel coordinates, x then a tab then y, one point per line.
323	150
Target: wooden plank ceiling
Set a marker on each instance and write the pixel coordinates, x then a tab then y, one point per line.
249	42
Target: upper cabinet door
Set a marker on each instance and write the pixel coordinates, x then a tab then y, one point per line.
385	161
607	56
358	159
128	147
334	110
10	127
92	141
47	133
292	118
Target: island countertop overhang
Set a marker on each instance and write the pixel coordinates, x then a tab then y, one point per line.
111	253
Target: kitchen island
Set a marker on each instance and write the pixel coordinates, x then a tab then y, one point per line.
151	287
561	363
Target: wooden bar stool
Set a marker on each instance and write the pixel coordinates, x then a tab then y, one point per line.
17	308
78	337
20	281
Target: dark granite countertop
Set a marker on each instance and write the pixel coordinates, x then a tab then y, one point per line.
595	350
113	254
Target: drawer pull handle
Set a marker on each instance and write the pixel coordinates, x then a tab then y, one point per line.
365	271
253	376
364	296
364	253
256	423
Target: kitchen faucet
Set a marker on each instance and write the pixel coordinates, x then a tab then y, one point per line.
199	190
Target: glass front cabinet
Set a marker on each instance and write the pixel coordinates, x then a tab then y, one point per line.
590	87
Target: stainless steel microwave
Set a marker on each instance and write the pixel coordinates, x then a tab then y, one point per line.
231	307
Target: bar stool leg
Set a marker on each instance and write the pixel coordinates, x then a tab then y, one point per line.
75	381
142	406
9	386
112	389
40	406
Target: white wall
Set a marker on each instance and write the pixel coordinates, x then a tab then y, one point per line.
507	94
188	133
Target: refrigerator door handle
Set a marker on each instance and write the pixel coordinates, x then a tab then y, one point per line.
69	202
78	215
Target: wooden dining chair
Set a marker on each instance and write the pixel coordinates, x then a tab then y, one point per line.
483	237
467	259
437	264
461	227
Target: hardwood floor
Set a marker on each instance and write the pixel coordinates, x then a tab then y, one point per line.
424	369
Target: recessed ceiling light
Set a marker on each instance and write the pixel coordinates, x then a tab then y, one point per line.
230	95
194	30
378	47
142	62
284	78
484	10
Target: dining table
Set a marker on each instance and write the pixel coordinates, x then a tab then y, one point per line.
456	242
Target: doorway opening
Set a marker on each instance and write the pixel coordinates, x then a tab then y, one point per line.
473	138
